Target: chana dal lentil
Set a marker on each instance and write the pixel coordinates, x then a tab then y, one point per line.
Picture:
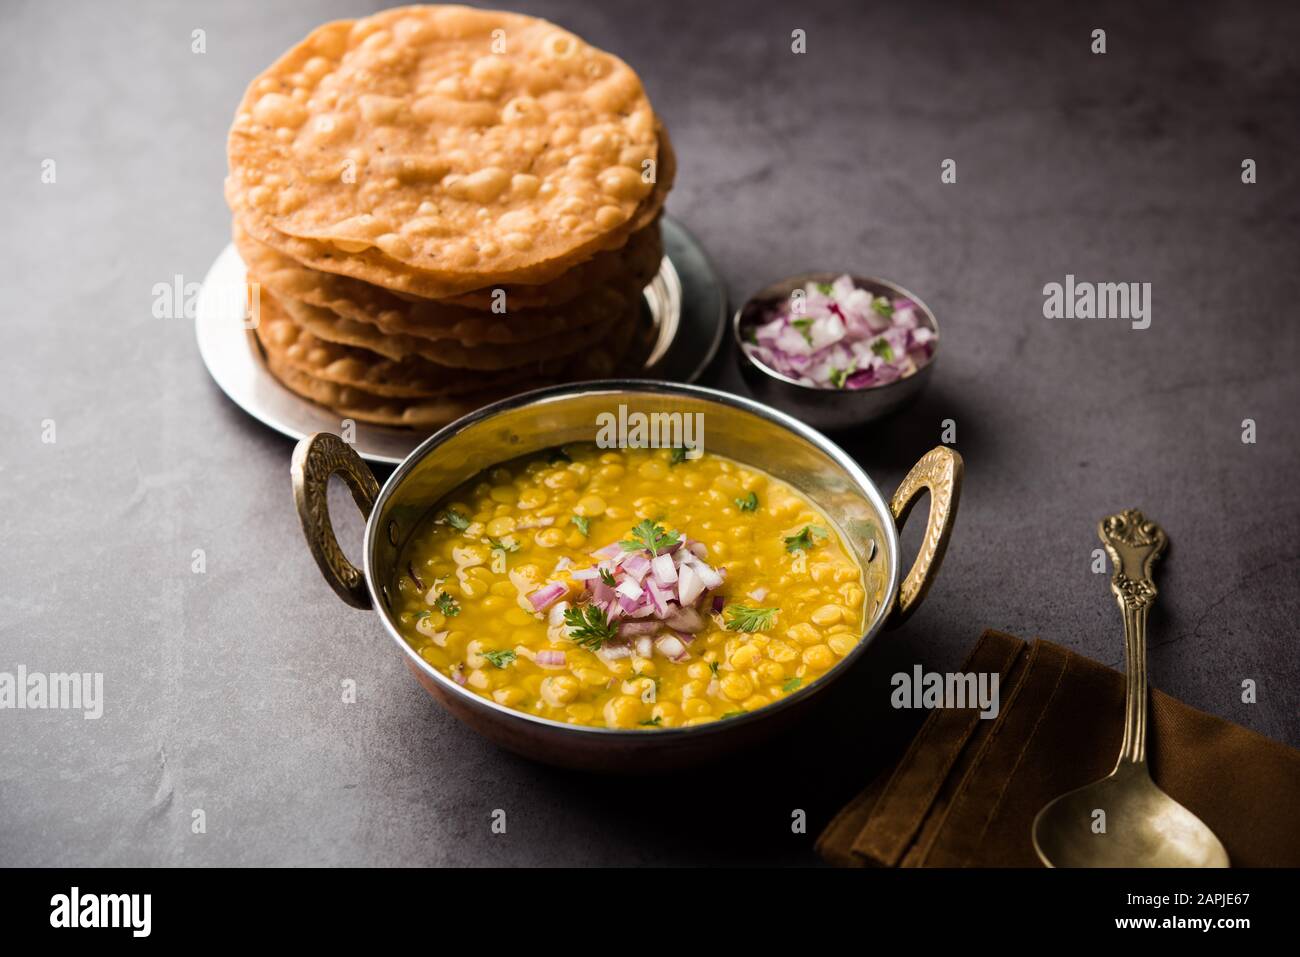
530	586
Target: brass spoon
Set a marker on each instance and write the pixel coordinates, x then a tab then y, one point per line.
1124	820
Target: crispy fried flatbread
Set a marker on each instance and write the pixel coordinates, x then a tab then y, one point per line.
466	146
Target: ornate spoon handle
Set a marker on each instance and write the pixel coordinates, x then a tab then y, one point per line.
1134	543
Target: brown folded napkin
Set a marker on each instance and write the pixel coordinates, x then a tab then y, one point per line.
966	791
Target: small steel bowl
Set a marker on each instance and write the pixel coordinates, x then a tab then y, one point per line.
738	428
822	408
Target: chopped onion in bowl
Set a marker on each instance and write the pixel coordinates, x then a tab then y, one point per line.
838	336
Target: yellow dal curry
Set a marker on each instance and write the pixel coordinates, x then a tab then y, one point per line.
634	588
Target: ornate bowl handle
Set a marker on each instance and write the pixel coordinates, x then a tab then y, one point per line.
940	471
315	459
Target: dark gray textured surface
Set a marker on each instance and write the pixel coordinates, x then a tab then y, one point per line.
223	688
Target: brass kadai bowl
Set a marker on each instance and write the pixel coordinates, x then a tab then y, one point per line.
740	429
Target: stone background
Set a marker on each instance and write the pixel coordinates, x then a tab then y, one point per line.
223	688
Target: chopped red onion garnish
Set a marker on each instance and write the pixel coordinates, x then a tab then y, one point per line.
708	575
658	597
611	651
835	335
637	566
664	569
671	647
545	596
550	659
648	595
689	585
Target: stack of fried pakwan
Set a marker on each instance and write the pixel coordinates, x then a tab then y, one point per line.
443	206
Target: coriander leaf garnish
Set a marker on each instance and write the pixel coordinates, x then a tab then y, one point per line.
803	541
883	349
607	577
446	604
457	520
882	306
792	685
654	722
838	376
713	667
589	627
747	504
500	658
583	523
649	536
749	618
825	288
803	325
499	544
677	456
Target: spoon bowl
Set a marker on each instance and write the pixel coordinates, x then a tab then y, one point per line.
1125	820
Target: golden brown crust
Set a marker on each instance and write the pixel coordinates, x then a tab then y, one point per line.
438	319
470	146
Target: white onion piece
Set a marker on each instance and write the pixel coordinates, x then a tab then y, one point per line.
550	659
614	652
709	575
671	647
585	574
689	585
645	646
630	589
664	569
